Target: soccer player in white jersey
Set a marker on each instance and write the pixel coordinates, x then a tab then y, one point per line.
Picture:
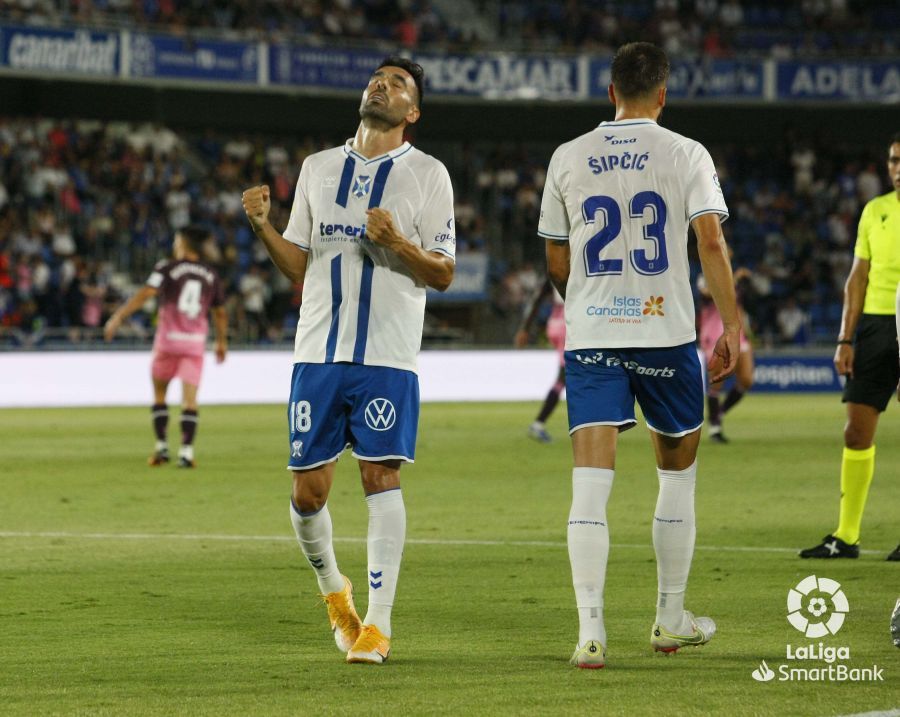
615	214
371	226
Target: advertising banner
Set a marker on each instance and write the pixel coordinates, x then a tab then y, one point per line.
317	67
470	280
163	56
793	373
710	79
490	76
40	50
498	76
503	76
870	81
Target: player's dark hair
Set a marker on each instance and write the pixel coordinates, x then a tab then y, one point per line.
638	69
194	236
896	138
413	68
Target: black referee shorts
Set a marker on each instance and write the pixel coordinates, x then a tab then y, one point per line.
876	369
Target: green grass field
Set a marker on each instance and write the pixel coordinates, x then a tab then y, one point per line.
126	590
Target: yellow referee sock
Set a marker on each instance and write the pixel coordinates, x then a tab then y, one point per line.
857	469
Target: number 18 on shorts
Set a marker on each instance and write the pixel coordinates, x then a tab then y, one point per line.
372	409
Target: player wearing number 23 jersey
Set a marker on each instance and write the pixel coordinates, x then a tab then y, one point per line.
623	196
615	213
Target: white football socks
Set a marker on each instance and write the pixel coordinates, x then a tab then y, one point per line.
314	536
387	533
674	531
588	541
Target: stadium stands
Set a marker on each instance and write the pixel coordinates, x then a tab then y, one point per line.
685	28
717	28
86	208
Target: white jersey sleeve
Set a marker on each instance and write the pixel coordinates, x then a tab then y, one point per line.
704	193
436	226
155	279
299	228
554	221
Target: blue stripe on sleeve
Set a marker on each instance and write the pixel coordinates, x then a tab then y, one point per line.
331	343
362	317
378	185
346	176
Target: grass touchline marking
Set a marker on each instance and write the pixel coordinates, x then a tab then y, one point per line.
412	541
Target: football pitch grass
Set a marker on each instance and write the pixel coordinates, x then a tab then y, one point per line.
126	590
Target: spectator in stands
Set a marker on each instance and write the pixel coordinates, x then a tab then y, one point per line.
254	292
792	322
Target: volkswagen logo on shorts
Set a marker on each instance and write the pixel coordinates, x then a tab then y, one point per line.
380	414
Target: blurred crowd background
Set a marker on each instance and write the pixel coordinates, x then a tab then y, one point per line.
717	28
87	207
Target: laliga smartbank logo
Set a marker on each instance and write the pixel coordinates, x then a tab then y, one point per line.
817	607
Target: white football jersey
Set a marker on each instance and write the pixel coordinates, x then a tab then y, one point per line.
360	302
623	196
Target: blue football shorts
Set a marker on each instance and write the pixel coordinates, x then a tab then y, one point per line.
603	384
372	409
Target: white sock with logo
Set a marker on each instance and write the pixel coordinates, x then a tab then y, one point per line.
314	536
588	541
674	531
387	534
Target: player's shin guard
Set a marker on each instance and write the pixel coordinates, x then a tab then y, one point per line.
159	412
588	541
189	423
387	534
674	532
313	532
857	469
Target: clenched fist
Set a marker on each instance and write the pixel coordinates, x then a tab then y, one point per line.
380	227
257	203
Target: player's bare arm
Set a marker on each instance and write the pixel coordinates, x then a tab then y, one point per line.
220	321
140	298
429	267
854	297
558	258
720	282
289	258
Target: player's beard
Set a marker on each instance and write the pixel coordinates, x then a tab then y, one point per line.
379	116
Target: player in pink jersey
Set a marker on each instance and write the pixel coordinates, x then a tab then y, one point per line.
709	330
187	290
556	334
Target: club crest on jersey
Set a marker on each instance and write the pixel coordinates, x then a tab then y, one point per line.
380	414
361	186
